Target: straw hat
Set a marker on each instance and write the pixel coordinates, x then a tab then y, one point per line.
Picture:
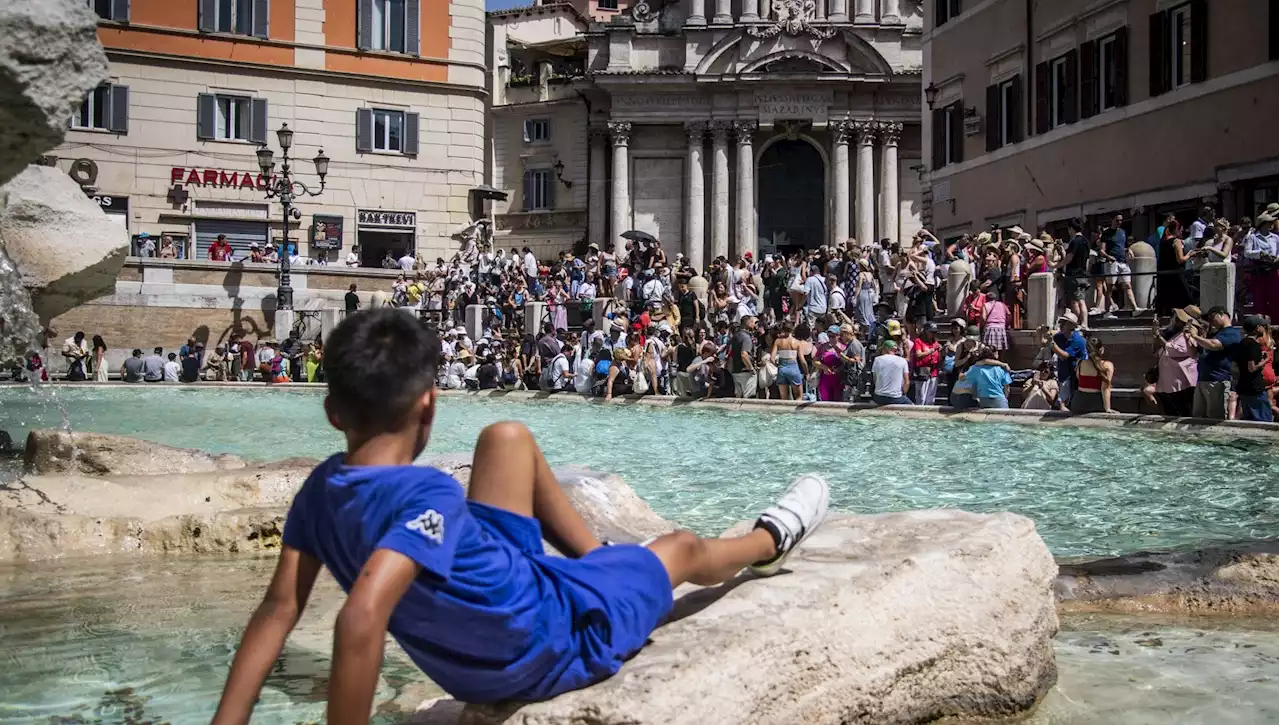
1070	317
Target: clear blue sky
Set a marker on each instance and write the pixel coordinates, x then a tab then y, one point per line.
505	4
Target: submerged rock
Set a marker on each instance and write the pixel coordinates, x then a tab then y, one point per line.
1234	580
57	451
894	618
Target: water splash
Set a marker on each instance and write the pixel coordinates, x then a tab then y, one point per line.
19	325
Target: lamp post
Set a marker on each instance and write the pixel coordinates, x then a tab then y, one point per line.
286	189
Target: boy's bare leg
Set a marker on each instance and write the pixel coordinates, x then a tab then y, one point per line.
509	472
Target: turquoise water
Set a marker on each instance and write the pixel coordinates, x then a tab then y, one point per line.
1090	491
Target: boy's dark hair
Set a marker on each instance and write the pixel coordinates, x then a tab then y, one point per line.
377	363
159	350
173	356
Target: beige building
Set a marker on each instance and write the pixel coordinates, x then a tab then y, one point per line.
720	127
391	90
1092	107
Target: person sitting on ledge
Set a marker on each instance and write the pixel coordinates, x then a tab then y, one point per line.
461	580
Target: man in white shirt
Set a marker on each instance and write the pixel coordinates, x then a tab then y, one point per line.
1196	236
406	262
353	256
585	368
172	370
530	263
891	376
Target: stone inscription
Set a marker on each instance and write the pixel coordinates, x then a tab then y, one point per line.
805	106
670	102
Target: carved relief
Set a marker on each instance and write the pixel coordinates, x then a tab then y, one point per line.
842	131
620	132
695	131
866	130
743	130
720	130
793	17
890	132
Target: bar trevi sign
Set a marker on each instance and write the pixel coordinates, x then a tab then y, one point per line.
801	105
386	219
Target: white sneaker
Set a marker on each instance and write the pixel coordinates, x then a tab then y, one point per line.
796	515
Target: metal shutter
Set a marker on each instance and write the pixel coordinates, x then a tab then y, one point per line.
239	236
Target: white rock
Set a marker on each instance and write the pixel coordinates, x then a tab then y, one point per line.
66	249
49	59
57	451
894	618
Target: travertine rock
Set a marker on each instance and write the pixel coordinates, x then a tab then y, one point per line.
894	618
57	451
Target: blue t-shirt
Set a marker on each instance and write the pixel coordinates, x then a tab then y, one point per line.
1117	243
484	620
1075	348
1215	365
989	380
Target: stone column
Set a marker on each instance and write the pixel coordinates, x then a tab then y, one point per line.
890	12
696	10
597	187
959	275
473	321
890	133
719	189
865	207
724	13
864	11
1041	302
749	14
1143	267
746	238
839	11
820	10
841	131
620	134
1217	286
695	197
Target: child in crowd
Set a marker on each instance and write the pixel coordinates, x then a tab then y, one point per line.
460	578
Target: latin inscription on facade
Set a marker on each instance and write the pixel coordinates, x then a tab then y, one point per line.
812	106
660	102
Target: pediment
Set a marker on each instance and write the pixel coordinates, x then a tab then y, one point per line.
844	53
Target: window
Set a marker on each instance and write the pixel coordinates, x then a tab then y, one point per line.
944	10
388	25
1104	74
1179	46
537	130
1058	88
948	134
233	119
110	9
607	4
242	17
1004	117
538	190
1107	74
386	131
105	108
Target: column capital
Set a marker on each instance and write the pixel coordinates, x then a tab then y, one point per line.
620	132
866	131
842	131
743	130
890	132
695	131
720	130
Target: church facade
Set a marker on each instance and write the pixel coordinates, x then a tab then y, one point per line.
718	126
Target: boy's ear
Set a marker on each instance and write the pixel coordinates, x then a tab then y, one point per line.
429	406
331	414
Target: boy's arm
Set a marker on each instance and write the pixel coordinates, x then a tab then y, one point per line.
361	632
263	639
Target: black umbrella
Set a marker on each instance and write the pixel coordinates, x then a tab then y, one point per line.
636	235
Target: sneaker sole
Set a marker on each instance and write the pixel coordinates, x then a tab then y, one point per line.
776	565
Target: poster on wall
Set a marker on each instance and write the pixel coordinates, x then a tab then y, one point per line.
326	232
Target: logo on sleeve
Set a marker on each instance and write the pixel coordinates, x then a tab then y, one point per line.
430	524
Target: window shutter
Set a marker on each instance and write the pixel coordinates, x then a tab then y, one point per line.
551	184
1090	79
364	25
957	132
206	15
1159	29
1200	40
258	124
120	11
527	198
526	132
1042	98
1073	85
364	130
939	138
1273	32
1121	51
1015	113
410	134
993	117
206	116
412	26
261	18
118	121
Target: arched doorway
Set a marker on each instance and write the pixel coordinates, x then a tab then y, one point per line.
792	198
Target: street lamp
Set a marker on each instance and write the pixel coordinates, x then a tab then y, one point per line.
284	188
930	95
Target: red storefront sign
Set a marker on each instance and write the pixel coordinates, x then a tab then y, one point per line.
219	178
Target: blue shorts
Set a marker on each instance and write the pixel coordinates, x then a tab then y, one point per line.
789	373
1256	408
619	595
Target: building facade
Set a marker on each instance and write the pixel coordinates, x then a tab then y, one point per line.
719	127
1041	112
391	90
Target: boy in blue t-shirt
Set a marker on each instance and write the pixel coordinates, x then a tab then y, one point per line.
459	578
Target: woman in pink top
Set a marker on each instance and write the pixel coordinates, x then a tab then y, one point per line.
995	325
1176	368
